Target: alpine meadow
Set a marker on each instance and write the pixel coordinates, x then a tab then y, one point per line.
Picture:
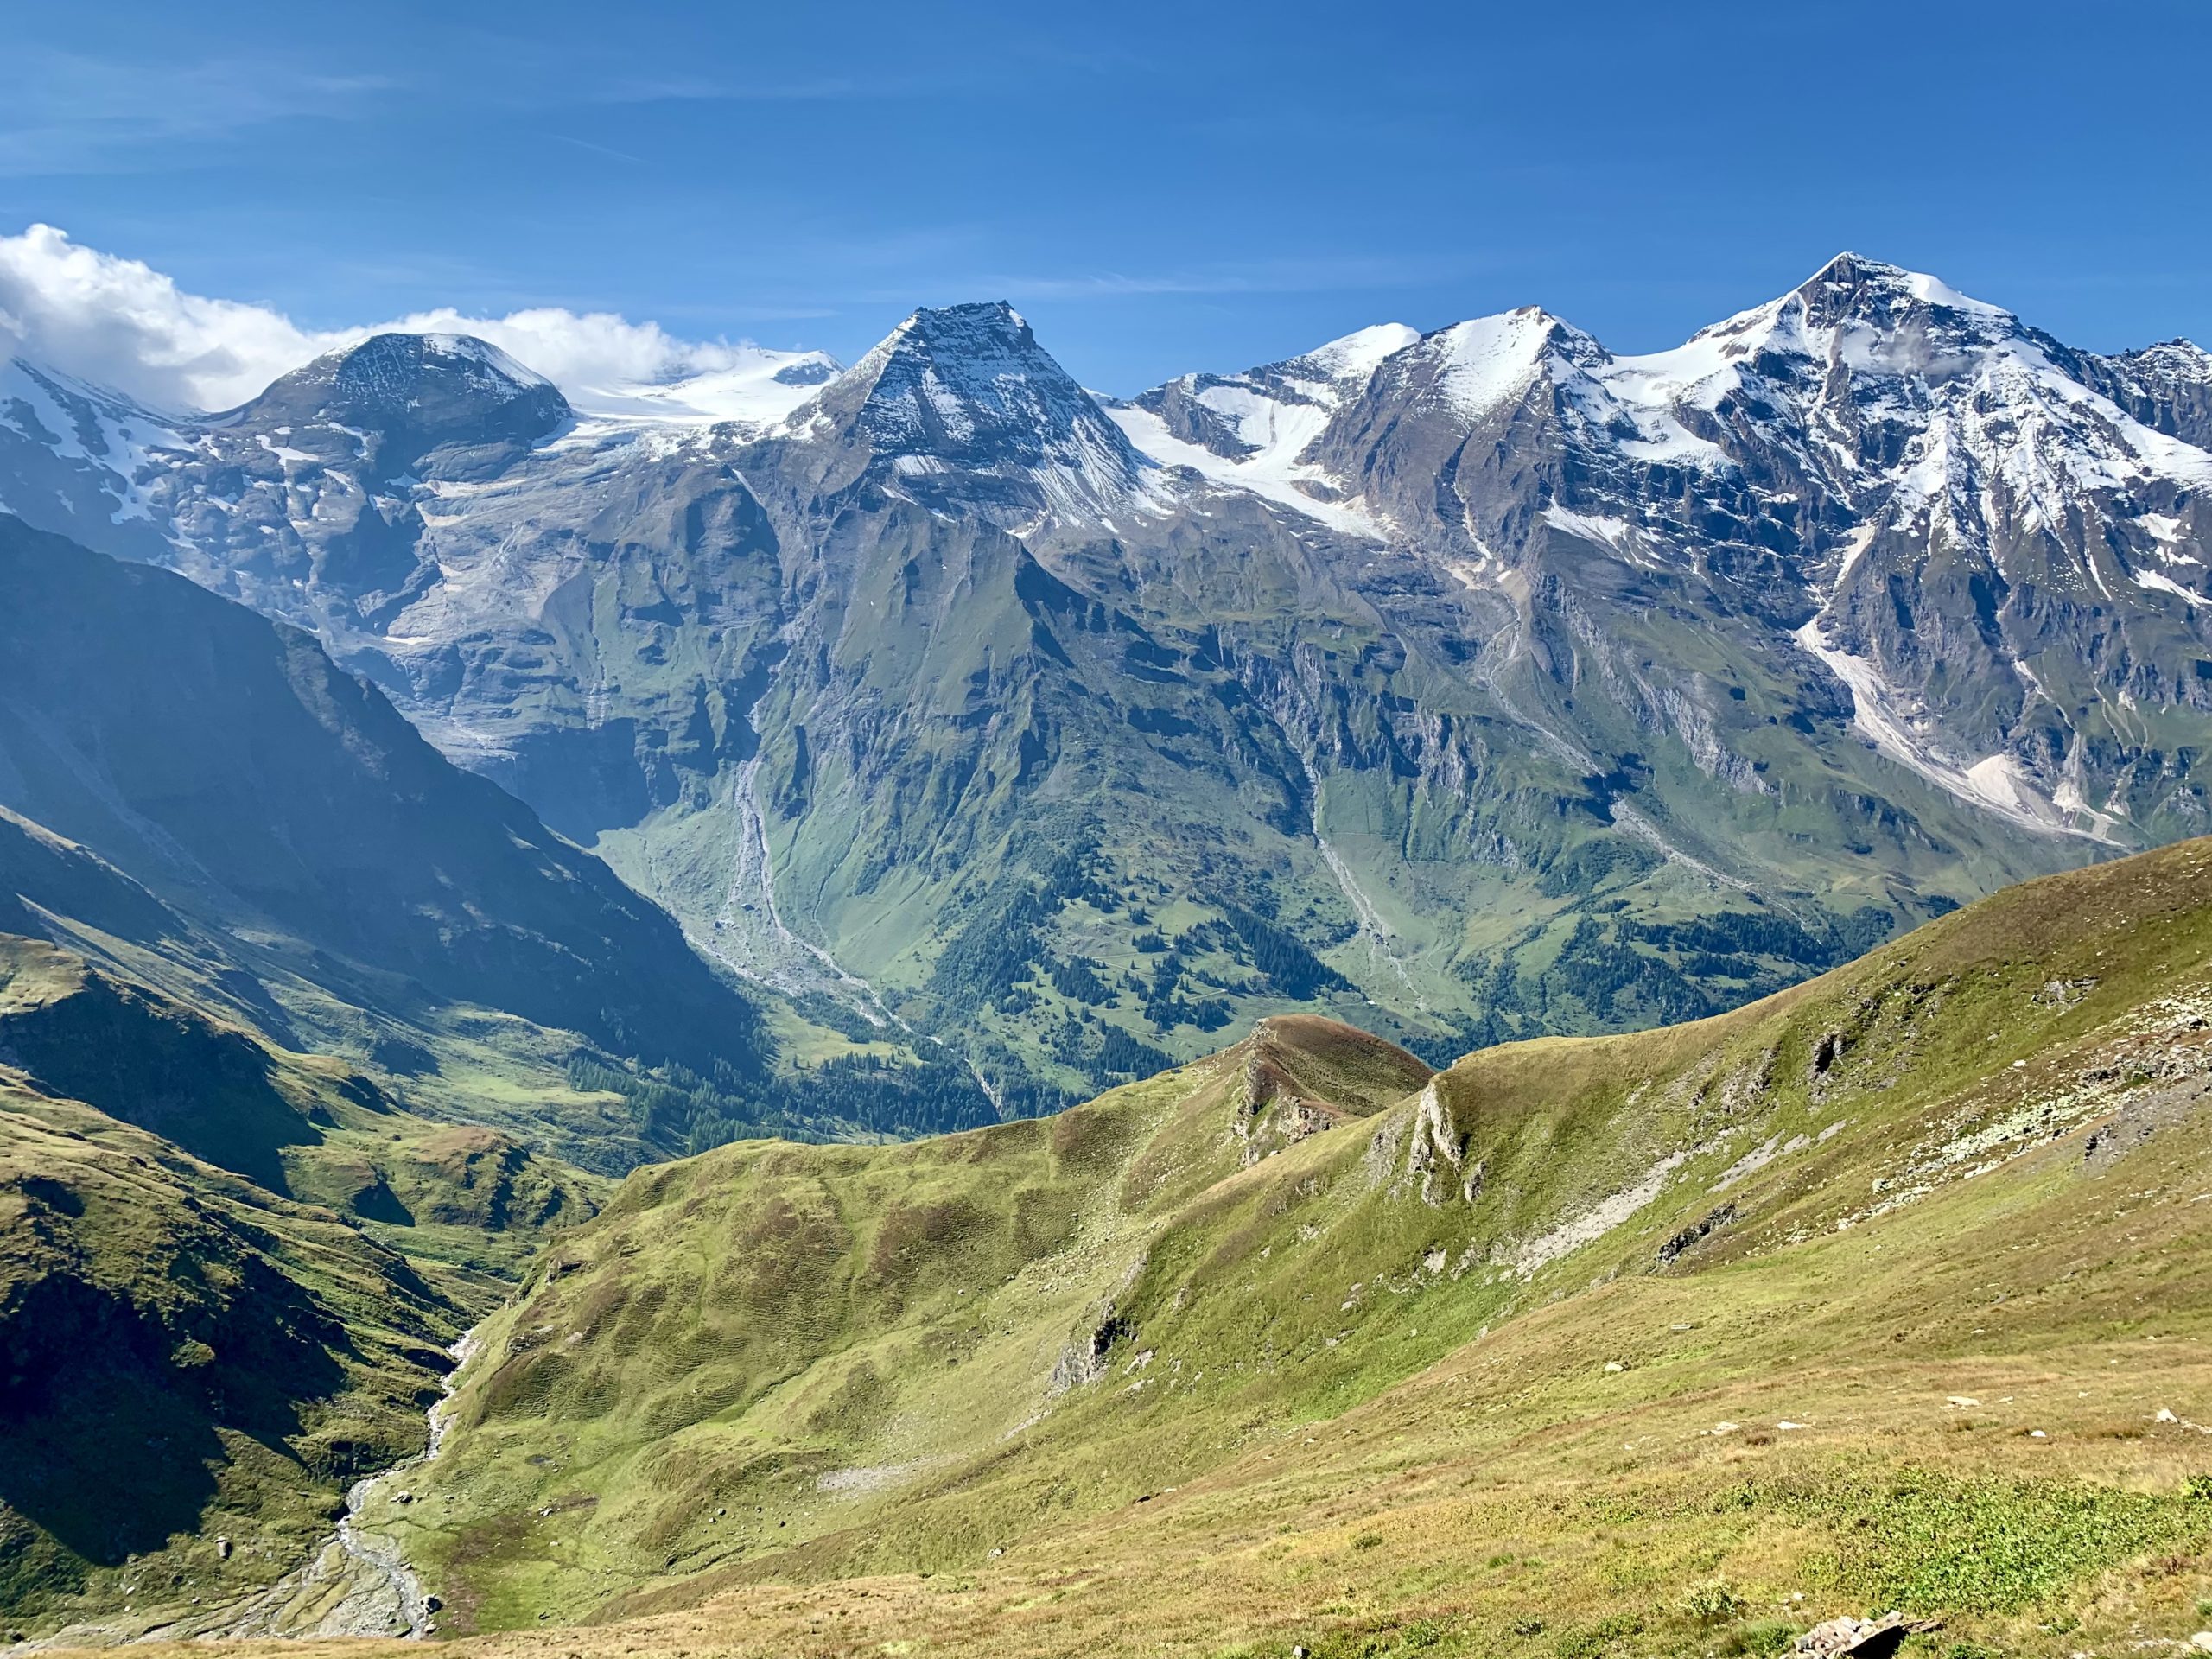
1464	992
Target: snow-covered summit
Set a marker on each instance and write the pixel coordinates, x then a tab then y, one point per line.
963	379
1304	432
964	392
1353	357
394	398
388	369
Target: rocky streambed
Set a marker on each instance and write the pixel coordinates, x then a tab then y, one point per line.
357	1583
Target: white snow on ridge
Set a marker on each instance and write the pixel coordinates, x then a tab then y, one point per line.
90	425
1280	431
1274	474
1854	550
1613	532
469	349
760	388
1934	290
282	452
1660	435
2017	421
1279	427
1989	402
1487	361
1996	783
1087	482
1358	354
1278	412
2167	585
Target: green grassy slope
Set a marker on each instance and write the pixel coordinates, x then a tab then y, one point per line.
467	1203
227	1279
1870	1292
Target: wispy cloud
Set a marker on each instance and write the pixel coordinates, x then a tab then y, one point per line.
1324	274
658	89
66	112
590	148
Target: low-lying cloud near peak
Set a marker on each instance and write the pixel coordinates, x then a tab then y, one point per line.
120	322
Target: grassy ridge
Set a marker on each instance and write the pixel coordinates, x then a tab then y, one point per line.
1588	1336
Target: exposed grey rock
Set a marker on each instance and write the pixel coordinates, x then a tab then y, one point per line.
1863	1638
2140	1118
1696	1232
1871	587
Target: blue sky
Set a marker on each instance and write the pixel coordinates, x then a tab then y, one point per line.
1157	186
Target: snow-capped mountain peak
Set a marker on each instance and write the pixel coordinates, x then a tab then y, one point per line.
1908	463
1484	361
960	378
394	398
1304	431
963	399
1991	545
1354	356
387	370
1851	282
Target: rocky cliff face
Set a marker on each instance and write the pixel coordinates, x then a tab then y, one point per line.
1067	729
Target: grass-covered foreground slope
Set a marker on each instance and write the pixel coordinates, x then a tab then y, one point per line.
228	1277
468	1205
1888	1290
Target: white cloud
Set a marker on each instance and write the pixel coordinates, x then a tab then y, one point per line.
581	351
121	323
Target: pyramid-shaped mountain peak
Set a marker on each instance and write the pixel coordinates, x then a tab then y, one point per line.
969	385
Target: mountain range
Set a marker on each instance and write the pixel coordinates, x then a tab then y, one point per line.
1469	683
441	812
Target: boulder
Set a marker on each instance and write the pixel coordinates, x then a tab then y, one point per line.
1863	1638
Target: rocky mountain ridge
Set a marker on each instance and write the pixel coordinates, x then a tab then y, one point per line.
1871	431
943	696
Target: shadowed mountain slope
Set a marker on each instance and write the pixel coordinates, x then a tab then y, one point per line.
292	839
225	757
227	1279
